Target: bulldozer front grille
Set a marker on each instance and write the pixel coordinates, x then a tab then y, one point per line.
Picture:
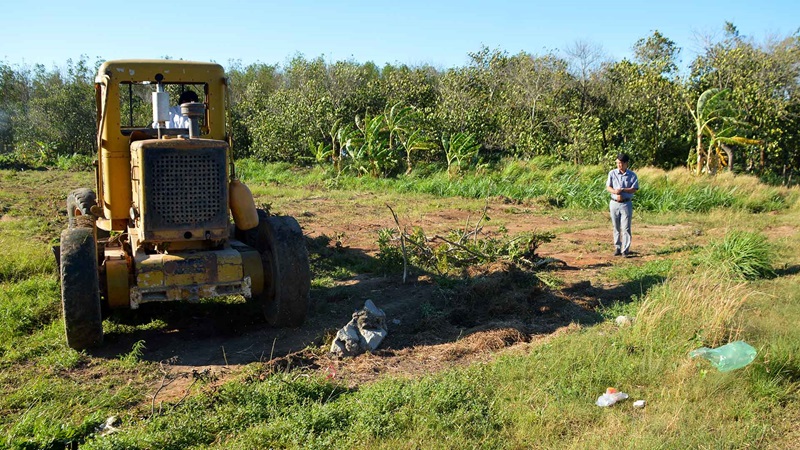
185	188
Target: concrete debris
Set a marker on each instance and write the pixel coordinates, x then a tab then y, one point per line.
364	333
108	427
624	321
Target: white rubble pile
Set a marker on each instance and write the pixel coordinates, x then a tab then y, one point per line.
364	333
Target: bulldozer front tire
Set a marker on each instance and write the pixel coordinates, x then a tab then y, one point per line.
287	275
80	292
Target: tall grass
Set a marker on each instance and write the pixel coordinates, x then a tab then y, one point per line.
692	311
545	181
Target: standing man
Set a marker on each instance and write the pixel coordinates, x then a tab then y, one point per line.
622	184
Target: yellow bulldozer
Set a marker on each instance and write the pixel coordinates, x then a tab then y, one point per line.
158	227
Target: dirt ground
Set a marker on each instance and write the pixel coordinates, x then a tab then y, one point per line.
431	327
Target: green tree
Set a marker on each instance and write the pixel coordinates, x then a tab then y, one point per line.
249	91
14	96
644	113
535	89
578	124
470	97
763	82
58	117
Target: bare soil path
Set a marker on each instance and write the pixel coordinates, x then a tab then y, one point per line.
431	327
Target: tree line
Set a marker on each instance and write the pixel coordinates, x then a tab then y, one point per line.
736	108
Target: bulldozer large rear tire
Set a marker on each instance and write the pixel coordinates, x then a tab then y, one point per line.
287	275
79	210
80	291
79	203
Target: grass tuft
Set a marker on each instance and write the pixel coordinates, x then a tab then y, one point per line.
740	254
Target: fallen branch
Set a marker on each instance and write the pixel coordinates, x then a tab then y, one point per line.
455	244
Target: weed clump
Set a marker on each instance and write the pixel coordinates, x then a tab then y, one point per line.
740	254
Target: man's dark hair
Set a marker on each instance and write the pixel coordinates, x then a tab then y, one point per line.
623	157
187	97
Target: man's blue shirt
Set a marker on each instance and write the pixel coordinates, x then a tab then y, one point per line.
619	180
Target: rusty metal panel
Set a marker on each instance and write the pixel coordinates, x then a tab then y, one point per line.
189	276
254	269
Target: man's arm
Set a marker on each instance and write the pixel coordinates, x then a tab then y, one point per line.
634	188
615	193
609	185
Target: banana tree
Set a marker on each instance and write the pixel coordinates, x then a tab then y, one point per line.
321	152
715	119
374	156
459	149
412	142
398	119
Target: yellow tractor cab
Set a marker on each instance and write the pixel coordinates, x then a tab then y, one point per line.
158	226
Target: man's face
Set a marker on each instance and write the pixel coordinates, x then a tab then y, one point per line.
622	166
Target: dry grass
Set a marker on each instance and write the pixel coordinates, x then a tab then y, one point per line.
707	303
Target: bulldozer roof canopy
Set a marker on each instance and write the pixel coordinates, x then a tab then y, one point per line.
144	70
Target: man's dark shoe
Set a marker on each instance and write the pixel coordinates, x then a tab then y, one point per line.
617	253
627	255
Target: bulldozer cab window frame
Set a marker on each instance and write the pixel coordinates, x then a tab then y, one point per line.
136	103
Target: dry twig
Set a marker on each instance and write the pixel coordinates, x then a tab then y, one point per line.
402	243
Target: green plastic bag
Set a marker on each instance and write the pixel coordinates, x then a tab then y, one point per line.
727	357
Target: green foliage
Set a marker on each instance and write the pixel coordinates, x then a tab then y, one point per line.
460	249
322	153
132	358
740	254
758	77
572	107
370	153
646	118
58	117
461	152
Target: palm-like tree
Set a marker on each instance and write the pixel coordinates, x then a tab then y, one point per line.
401	123
715	119
412	142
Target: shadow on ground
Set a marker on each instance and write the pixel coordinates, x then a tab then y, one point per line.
424	311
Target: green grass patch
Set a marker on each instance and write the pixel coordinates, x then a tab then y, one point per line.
740	254
307	412
27	308
548	183
22	258
540	396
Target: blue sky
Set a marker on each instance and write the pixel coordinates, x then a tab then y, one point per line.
440	33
